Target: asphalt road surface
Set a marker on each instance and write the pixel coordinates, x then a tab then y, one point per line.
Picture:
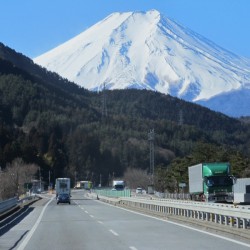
93	225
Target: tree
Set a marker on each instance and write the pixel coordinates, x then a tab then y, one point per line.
14	176
136	178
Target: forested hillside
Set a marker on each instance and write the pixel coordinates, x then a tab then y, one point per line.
48	121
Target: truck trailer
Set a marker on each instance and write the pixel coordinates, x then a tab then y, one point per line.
242	190
211	182
62	186
84	185
118	185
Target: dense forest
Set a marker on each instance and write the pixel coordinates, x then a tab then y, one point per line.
69	131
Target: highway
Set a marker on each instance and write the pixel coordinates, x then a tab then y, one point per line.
90	225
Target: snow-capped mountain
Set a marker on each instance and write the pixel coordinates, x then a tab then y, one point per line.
148	50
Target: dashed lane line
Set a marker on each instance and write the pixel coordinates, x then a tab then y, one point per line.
133	248
113	232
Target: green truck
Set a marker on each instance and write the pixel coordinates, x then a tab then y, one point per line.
211	182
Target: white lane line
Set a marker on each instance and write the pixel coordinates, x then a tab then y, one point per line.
133	248
181	225
113	232
92	216
100	222
86	212
33	229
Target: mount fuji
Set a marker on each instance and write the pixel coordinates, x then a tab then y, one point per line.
146	50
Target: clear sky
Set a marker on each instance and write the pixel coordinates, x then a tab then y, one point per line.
33	27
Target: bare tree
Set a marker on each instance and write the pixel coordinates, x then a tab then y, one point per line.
13	178
136	178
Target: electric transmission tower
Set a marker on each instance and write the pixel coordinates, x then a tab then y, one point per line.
104	102
151	137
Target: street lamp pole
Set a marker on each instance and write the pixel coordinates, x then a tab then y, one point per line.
49	178
75	178
40	180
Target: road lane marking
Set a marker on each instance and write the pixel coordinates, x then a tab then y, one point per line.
181	225
33	229
92	216
133	248
86	212
113	232
100	222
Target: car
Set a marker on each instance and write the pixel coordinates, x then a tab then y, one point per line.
138	190
63	198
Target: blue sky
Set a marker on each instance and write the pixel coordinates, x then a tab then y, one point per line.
33	27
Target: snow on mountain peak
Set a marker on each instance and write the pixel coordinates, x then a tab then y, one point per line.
146	50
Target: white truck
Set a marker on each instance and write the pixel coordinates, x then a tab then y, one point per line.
242	190
62	186
118	185
84	185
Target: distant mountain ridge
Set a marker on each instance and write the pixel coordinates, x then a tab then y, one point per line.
145	50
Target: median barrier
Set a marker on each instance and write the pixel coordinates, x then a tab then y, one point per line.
223	214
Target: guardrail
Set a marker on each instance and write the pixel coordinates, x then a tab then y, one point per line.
13	202
176	196
8	204
224	214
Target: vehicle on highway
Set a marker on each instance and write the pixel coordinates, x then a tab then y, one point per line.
118	185
62	186
63	198
84	185
138	190
211	182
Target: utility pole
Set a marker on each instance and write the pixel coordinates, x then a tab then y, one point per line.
40	180
151	137
75	178
100	185
49	180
